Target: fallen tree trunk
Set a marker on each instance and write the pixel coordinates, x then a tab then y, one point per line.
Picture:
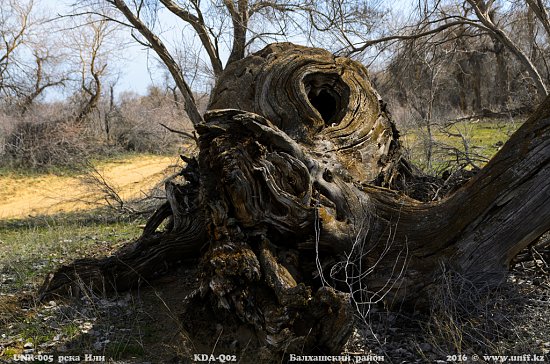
299	204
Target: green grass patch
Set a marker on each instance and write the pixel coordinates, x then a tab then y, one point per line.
479	140
31	248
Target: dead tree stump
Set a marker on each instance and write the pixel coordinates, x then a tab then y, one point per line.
296	206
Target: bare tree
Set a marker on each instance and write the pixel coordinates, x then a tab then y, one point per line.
93	43
42	79
483	16
15	20
487	17
28	59
225	26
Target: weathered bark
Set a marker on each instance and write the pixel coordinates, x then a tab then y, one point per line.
324	102
297	198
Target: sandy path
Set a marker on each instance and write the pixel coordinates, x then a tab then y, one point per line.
48	194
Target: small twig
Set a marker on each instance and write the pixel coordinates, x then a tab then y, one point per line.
111	196
184	133
539	260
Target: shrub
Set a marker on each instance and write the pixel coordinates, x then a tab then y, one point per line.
41	145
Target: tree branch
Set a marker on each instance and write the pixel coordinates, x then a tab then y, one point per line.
161	50
197	22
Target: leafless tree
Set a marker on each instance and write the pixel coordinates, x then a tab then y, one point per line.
28	60
93	42
491	18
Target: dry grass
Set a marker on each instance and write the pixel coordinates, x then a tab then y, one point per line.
463	321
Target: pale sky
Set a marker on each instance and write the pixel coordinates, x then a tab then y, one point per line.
137	67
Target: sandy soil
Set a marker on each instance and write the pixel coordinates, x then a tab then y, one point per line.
48	194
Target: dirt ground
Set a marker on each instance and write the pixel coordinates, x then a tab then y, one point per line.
48	194
156	325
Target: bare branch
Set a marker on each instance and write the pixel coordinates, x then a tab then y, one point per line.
537	6
164	54
93	13
180	132
197	22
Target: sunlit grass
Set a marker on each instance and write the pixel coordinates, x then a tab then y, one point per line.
31	248
99	161
482	138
